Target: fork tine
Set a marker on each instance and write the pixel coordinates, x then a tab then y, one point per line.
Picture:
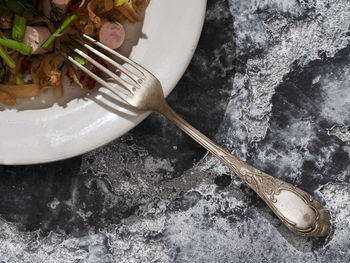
94	76
115	53
127	72
118	79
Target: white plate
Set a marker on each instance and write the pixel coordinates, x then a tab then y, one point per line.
38	132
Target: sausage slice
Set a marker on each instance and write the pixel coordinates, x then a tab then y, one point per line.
112	34
35	36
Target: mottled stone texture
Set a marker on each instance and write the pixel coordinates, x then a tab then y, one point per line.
270	81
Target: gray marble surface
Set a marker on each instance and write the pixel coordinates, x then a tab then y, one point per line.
270	81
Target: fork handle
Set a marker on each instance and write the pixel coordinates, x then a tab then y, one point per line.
298	210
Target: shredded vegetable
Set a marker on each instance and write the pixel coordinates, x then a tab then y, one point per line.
8	60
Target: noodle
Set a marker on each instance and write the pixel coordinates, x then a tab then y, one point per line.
9	93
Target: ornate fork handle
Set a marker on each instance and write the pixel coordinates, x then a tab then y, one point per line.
298	210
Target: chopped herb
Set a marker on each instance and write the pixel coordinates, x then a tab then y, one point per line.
19	27
119	2
65	24
112	20
61	65
15	45
7	59
56	12
4	73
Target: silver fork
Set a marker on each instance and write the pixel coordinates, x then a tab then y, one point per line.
298	210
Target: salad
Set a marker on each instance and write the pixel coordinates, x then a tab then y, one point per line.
32	32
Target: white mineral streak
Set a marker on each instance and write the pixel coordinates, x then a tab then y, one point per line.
200	233
342	132
335	88
299	41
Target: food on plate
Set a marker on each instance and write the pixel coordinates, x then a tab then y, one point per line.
32	32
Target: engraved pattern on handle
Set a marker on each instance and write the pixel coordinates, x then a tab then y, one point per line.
298	210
